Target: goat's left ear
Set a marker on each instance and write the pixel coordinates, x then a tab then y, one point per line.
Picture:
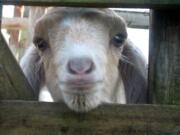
133	70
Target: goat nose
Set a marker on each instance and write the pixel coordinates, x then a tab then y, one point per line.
80	66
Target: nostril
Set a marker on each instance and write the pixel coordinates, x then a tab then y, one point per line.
90	69
80	66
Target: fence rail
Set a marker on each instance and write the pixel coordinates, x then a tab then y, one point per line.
34	118
16	23
99	3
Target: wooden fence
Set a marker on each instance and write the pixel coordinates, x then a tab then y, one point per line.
35	118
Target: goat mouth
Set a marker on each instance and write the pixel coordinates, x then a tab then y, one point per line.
81	84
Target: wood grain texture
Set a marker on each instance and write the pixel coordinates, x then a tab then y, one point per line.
134	19
164	58
13	84
0	12
35	118
99	3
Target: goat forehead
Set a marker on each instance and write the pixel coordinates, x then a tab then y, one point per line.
80	37
82	30
83	24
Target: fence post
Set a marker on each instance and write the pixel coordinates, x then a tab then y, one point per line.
164	57
0	12
13	84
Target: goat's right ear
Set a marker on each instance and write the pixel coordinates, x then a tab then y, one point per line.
32	67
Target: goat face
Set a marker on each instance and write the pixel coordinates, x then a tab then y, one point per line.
80	51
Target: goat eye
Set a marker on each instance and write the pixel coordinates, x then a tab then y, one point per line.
40	44
118	40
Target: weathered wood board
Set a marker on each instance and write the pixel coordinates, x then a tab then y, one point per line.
138	20
99	3
35	118
0	12
164	58
13	84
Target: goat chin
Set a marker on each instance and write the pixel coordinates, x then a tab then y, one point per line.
83	57
82	102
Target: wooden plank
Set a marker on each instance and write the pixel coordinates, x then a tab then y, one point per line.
99	3
135	19
14	34
35	118
13	84
164	62
0	13
16	23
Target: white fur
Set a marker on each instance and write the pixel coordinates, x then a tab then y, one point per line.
79	42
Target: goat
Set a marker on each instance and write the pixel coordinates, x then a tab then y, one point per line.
85	59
